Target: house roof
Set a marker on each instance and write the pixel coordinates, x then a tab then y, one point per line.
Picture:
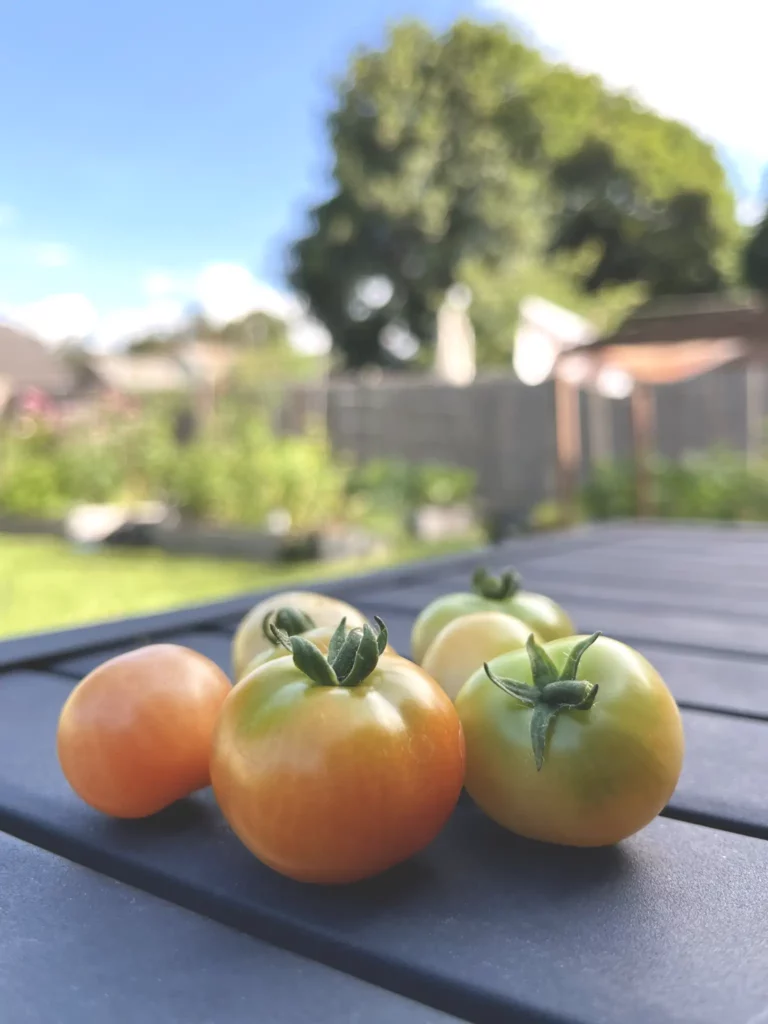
26	362
141	375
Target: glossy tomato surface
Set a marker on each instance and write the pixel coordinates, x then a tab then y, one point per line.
333	784
135	735
544	617
250	640
607	771
465	644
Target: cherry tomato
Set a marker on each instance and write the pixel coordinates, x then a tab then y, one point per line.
332	769
546	618
465	644
320	636
578	742
135	735
251	637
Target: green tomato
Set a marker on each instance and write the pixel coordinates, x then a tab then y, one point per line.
545	617
579	742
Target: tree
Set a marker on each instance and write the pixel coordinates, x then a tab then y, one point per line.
755	258
670	245
436	162
460	155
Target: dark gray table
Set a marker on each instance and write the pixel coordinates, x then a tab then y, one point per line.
172	920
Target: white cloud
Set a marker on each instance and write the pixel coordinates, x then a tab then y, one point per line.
702	64
159	284
309	336
117	328
750	211
53	255
228	291
56	317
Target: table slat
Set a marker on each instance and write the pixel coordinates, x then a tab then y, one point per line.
78	946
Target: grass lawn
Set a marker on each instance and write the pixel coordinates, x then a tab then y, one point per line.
48	584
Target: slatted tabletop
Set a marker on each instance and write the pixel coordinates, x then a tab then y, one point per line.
171	919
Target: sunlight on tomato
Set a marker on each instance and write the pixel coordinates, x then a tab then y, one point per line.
251	640
135	735
544	616
605	730
330	777
465	644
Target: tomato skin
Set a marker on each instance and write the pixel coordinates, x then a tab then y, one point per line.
607	771
461	647
320	637
249	640
333	784
546	618
135	735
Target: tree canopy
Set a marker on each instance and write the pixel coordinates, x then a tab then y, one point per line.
468	157
755	258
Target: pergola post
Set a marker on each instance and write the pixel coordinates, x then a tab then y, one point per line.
643	412
568	435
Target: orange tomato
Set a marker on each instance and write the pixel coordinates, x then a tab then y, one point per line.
135	735
334	769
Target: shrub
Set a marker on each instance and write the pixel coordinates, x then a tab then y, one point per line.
719	484
235	472
394	483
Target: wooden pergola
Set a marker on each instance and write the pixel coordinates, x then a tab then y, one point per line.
663	342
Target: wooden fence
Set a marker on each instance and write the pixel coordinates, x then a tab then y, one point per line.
505	431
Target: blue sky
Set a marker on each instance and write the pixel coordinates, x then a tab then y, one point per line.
145	142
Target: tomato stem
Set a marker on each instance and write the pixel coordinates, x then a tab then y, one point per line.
291	621
551	692
352	656
495	588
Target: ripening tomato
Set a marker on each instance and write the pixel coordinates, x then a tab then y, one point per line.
578	742
332	769
135	735
320	636
462	647
546	618
252	638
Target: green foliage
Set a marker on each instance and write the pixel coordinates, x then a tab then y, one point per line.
393	484
719	485
755	258
236	471
458	156
671	245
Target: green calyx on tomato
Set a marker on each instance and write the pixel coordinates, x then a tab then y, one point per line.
352	656
496	588
290	621
551	693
